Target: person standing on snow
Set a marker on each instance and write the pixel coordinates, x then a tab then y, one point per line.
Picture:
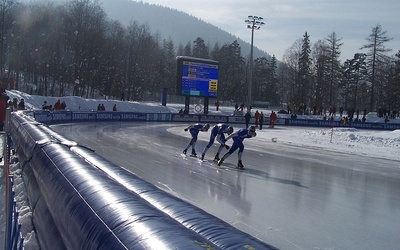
194	131
57	105
261	120
63	105
217	103
257	116
218	131
3	109
247	117
238	138
272	118
21	104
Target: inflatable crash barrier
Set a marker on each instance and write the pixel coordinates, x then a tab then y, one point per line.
80	200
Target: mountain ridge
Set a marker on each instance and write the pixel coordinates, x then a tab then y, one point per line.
173	24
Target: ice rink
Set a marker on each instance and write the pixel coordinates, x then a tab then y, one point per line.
290	196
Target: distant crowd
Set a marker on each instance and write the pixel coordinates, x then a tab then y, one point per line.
57	106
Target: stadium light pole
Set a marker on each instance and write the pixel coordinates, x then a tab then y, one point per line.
253	23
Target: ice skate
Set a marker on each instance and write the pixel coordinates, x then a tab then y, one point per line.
193	154
184	151
240	165
216	158
202	157
220	162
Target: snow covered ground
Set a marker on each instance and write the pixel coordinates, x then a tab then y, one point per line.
380	144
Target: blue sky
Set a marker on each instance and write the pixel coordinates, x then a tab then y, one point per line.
288	20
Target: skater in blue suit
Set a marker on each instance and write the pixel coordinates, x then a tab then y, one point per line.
238	138
194	131
218	131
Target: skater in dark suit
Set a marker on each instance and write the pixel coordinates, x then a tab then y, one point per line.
218	132
194	131
238	138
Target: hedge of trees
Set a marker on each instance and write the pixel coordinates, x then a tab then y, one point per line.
74	48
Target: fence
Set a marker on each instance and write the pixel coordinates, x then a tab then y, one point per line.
13	238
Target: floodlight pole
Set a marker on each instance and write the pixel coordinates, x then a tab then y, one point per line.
254	22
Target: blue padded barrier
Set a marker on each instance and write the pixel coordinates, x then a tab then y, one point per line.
48	235
41	215
95	212
82	201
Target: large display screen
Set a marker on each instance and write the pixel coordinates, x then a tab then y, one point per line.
197	77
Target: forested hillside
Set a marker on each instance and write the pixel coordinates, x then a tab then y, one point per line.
172	24
86	48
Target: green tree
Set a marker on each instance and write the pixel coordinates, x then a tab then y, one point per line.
304	75
112	68
85	28
393	87
6	23
272	94
200	49
260	81
321	84
232	78
376	56
167	66
289	74
333	66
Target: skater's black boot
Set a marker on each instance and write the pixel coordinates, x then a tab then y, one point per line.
184	151
240	164
220	162
216	158
193	153
202	156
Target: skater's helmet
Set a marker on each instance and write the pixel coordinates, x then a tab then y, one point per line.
252	129
229	130
206	127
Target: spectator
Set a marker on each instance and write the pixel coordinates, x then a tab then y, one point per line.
3	107
115	107
257	116
272	118
57	105
247	117
46	107
261	120
21	105
15	104
63	105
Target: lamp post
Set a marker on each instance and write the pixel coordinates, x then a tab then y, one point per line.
253	23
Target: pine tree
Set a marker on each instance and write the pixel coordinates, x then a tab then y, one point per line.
304	74
333	65
376	55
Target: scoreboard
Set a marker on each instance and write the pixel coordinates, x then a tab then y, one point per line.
197	77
